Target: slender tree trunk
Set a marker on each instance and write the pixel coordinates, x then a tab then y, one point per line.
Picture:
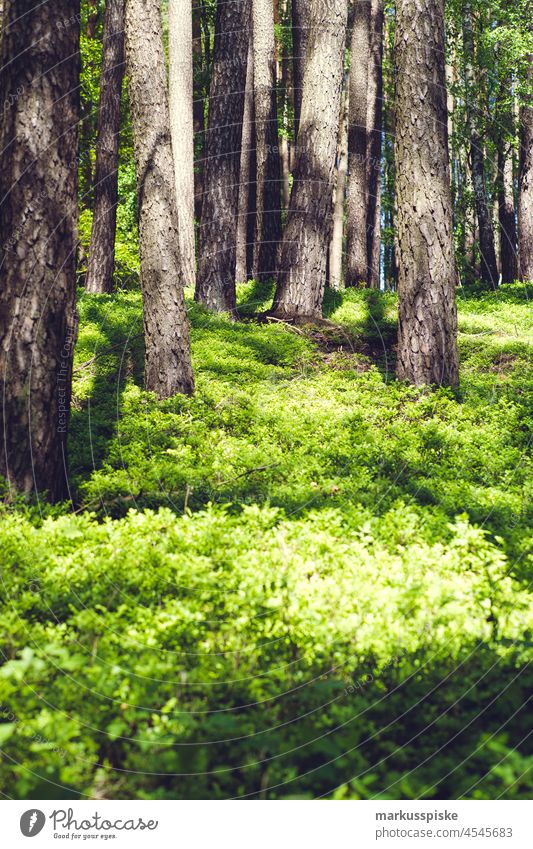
300	24
489	267
247	158
168	367
38	237
336	247
218	231
375	130
356	248
268	186
182	126
284	76
525	190
507	218
304	249
198	113
427	341
102	249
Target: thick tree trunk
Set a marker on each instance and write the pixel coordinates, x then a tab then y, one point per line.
489	267
525	190
304	250
102	249
336	280
375	129
427	342
268	186
39	87
245	179
182	126
168	367
507	218
218	231
356	247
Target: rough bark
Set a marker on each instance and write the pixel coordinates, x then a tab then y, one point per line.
489	266
38	236
168	367
243	225
102	249
182	126
215	287
304	249
427	342
374	148
268	186
525	190
356	245
336	280
507	218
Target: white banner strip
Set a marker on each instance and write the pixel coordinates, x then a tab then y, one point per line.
268	825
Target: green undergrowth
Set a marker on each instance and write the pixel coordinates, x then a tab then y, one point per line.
308	580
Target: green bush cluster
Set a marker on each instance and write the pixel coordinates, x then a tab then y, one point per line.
308	580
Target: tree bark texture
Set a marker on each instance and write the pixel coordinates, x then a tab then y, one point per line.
525	190
168	367
305	244
356	243
102	248
215	286
427	343
182	126
268	173
39	87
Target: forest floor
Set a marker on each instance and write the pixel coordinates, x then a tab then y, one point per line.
307	580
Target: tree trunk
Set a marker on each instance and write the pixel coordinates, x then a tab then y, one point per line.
102	249
198	114
525	190
168	367
489	267
427	341
246	175
39	87
182	127
335	252
287	94
304	249
375	129
300	34
507	219
215	286
356	248
268	186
